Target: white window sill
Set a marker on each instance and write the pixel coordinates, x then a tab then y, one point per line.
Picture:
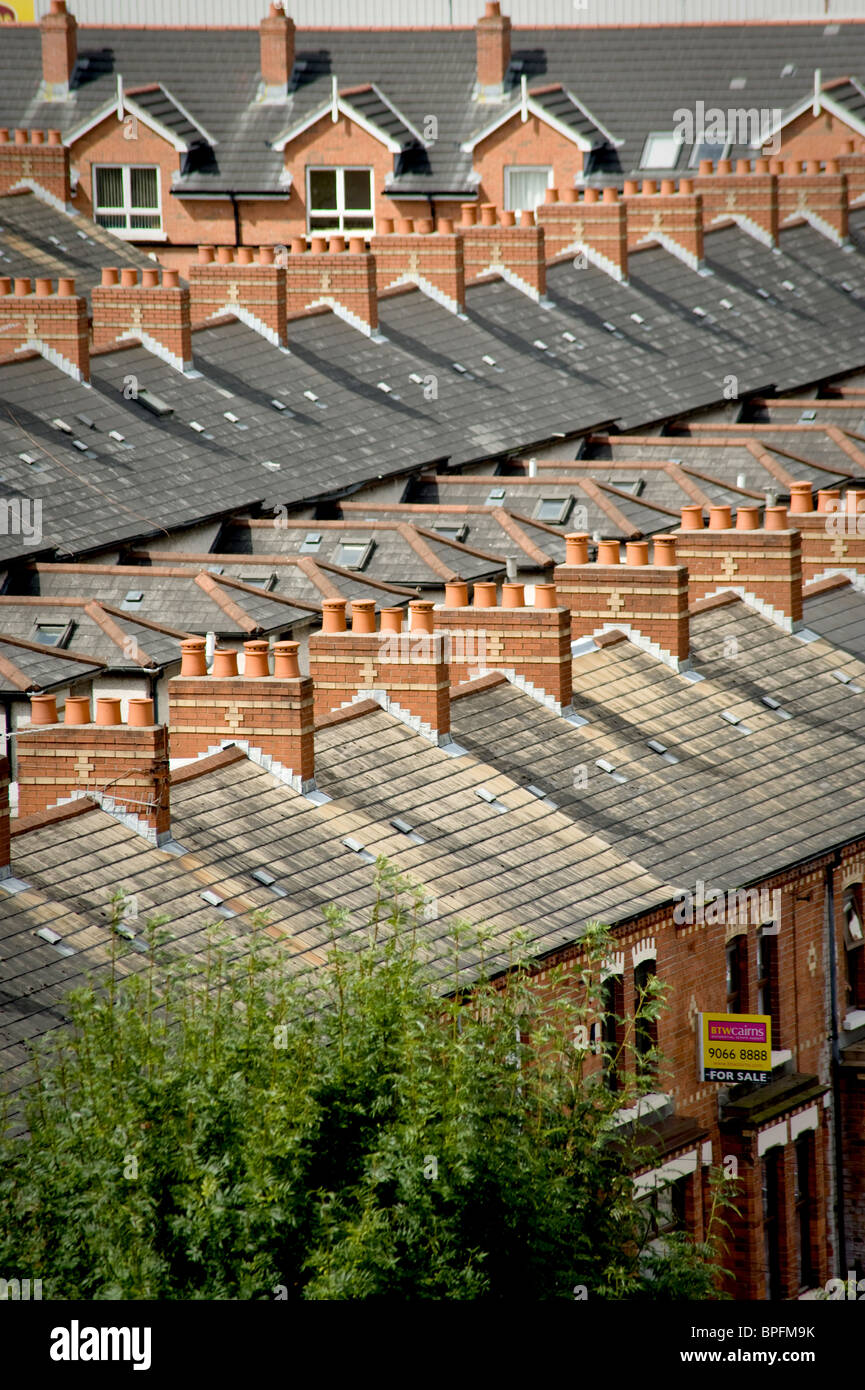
854	1020
143	235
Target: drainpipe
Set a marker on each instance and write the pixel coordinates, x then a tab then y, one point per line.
836	1070
236	210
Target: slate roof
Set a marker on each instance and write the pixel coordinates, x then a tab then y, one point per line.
835	608
305	579
399	553
736	806
494	529
194	600
103	633
37	239
30	666
214	74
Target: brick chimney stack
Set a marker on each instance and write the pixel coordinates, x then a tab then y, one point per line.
250	287
594	226
805	193
414	254
493	49
277	51
673	218
330	275
269	716
123	767
748	198
495	245
833	534
649	603
763	564
156	314
59	50
530	643
53	323
405	672
35	159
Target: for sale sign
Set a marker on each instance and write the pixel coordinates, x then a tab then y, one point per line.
735	1047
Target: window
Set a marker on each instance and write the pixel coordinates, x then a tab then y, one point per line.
613	1008
665	1207
260	581
645	1030
708	149
661	150
772	1221
133	600
339	200
311	543
854	940
126	198
352	554
737	976
451	530
553	510
53	634
767	979
525	186
804	1147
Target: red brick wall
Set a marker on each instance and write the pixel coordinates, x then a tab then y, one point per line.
58	321
533	143
647	599
817	137
410	669
767	565
436	259
533	642
678	217
599	225
257	288
270	713
822	194
159	311
751	196
47	164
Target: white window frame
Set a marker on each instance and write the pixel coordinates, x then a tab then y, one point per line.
661	135
524	169
337	228
130	233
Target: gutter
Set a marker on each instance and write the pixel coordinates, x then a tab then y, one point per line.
838	1142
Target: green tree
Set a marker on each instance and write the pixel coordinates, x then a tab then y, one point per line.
227	1129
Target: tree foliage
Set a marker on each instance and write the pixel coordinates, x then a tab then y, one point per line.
228	1130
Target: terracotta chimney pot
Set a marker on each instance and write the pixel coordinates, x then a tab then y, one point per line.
546	596
285	662
77	709
43	709
513	595
107	711
421	615
363	615
665	551
801	498
391	619
456	594
720	518
193	658
775	519
748	519
692	517
484	596
224	663
141	715
637	552
608	553
577	548
333	615
256	659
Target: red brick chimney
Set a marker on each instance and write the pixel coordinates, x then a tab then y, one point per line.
649	603
763	564
531	644
51	323
277	50
494	245
33	161
833	535
329	275
59	50
250	287
156	315
493	48
595	226
819	198
673	219
750	199
405	672
414	254
269	716
852	164
123	767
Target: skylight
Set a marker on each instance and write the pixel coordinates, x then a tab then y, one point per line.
843	677
56	940
311	543
554	510
357	848
494	496
261	581
661	150
214	900
53	634
353	554
133	599
267	880
775	707
452	530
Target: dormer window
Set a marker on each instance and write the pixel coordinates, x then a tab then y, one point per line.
126	198
525	186
661	150
339	200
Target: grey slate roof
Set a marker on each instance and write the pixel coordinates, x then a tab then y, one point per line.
214	74
117	640
38	239
31	667
836	609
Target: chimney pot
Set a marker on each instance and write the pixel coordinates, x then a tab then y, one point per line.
357	246
484	595
22	287
421	616
55	137
193	657
577	548
5	284
206	255
591	195
128	277
65	287
725	166
692	517
266	255
336	245
225	255
43	709
637	552
317	245
608	552
743	166
77	709
21	137
107	711
551	195
488	215
424	226
632	188
37	137
256	662
546	596
748	519
44	287
298	245
171	279
468	214
665	551
110	275
245	255
405	226
363	615
611	195
149	279
775	519
391	620
509	219
706	168
333	615
4	135
527	218
385	226
649	188
801	498
224	663
285	660
668	187
445	226
720	518
513	595
456	594
141	715
828	499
